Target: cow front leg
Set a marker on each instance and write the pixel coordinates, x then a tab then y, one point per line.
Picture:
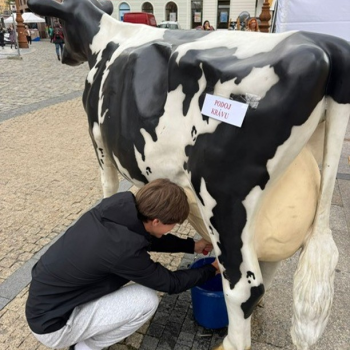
242	285
109	178
109	172
230	220
240	302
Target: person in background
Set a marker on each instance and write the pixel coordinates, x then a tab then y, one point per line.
28	35
50	31
252	25
58	39
207	26
80	295
12	36
2	36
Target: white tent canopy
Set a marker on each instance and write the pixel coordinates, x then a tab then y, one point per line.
328	17
28	17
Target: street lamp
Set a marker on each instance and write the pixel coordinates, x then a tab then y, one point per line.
22	38
265	17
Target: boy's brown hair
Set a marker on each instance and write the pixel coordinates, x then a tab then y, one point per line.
164	200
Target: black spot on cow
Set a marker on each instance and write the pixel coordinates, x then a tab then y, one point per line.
256	294
193	131
91	91
148	170
136	104
188	71
224	274
185	166
250	276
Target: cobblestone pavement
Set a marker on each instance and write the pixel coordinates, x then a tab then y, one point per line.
37	77
49	177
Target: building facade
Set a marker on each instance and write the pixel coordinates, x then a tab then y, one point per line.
7	8
190	13
4	8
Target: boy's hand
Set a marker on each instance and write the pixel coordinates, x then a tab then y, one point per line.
215	263
202	247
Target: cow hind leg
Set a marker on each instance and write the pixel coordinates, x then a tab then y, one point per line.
268	271
109	172
314	278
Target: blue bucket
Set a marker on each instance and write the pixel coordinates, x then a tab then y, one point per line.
209	308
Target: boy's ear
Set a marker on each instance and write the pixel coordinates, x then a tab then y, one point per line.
155	222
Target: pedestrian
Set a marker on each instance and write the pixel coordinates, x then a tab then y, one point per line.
28	35
207	26
252	25
12	36
79	294
50	31
58	39
2	36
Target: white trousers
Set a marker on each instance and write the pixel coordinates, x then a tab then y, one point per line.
105	321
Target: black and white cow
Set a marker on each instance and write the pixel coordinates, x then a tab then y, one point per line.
144	96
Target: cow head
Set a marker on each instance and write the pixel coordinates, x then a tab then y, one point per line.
80	21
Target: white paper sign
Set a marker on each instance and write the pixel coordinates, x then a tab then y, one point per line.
225	110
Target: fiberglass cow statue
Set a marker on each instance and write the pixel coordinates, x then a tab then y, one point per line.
228	116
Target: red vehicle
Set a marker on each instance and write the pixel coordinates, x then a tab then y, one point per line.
140	17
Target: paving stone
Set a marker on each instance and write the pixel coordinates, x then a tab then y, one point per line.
118	347
201	343
172	328
161	317
144	328
155	329
185	296
149	343
134	341
181	347
186	339
167	341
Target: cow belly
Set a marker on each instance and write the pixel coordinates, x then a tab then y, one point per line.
288	210
286	214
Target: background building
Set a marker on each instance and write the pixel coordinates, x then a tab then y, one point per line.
190	13
4	8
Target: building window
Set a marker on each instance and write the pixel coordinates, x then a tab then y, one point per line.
197	12
123	8
147	7
171	12
223	14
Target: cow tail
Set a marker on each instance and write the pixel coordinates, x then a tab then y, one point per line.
314	278
313	289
